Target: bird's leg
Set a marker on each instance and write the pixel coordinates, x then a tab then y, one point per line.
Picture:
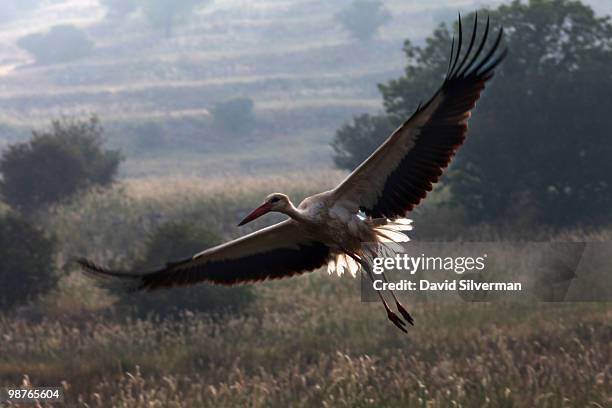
400	307
395	319
390	314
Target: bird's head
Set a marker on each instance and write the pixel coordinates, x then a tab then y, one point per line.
274	202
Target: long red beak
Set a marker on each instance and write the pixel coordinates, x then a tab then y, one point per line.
258	212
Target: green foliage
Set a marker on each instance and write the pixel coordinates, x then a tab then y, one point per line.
541	143
27	267
538	144
354	142
61	43
175	241
363	18
165	14
55	164
234	116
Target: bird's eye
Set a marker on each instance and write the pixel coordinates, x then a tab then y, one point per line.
275	200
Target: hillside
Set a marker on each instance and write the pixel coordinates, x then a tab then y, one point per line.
304	74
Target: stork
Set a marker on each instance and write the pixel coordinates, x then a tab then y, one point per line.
331	227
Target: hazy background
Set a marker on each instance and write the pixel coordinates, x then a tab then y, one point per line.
305	74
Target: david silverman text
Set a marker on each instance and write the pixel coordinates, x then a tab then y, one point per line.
452	285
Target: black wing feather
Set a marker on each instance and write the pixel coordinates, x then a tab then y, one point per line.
443	133
272	264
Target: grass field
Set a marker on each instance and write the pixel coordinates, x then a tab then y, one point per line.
307	341
310	342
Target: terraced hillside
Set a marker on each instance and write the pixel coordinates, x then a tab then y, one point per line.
305	75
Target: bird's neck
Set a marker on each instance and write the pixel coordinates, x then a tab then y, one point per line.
295	213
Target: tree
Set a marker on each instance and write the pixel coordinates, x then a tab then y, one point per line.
27	268
234	116
354	141
538	141
174	241
164	14
61	43
55	164
363	18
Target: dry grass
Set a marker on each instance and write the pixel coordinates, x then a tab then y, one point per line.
111	224
310	344
306	342
229	187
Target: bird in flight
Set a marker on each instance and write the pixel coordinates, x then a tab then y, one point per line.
330	228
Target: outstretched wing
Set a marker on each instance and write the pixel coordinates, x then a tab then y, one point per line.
278	251
398	175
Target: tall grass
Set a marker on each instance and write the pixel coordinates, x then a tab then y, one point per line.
306	342
111	224
325	349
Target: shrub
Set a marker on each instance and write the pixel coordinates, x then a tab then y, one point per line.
235	116
55	164
61	43
363	18
174	241
27	267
